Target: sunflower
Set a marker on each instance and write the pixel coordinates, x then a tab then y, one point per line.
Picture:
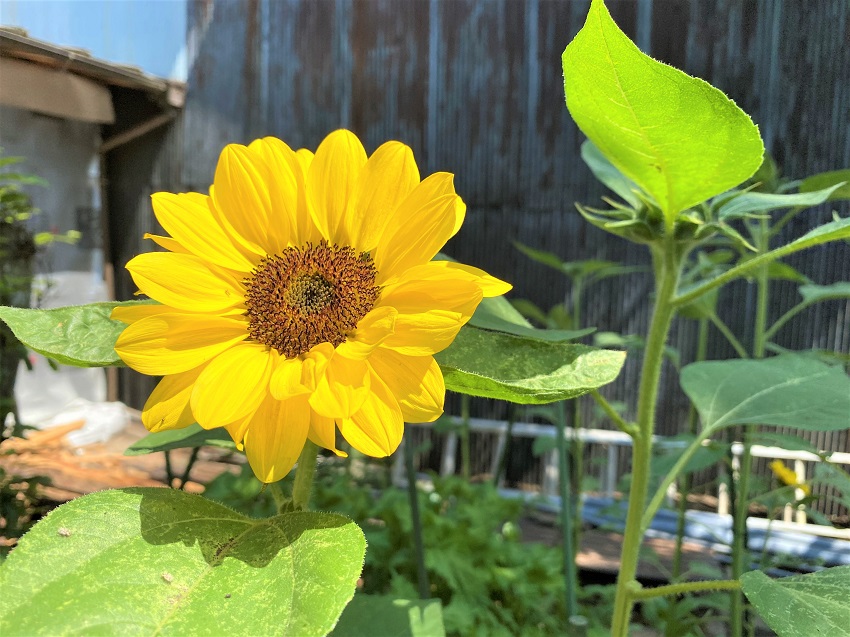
300	297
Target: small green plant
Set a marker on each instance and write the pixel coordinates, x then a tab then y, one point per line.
18	249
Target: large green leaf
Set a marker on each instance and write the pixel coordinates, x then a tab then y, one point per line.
825	180
750	203
523	370
499	315
679	138
79	335
163	562
192	436
786	391
608	174
802	605
385	616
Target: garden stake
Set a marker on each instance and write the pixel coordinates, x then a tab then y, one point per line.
567	533
465	460
418	542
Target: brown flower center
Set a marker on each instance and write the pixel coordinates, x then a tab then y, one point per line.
309	295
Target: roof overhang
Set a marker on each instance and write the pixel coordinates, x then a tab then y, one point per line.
71	84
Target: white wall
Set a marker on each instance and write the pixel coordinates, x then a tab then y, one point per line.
63	152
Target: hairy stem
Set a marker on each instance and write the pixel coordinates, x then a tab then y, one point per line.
687	587
667	264
622	425
304	473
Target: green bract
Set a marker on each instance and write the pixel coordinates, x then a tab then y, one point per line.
163	562
677	137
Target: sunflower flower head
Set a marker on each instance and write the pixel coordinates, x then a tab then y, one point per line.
299	298
787	476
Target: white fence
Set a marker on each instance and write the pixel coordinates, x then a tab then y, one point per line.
613	442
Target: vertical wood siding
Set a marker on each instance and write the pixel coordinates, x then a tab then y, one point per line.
476	88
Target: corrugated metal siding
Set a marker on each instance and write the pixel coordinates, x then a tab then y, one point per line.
476	88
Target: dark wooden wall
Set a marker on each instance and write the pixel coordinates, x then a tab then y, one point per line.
475	87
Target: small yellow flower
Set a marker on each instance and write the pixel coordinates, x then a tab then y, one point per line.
300	297
787	476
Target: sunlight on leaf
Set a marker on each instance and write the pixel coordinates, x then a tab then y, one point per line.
679	138
160	561
813	604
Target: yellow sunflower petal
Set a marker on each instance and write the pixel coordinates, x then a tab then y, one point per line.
305	158
169	243
132	313
185	282
331	180
437	271
232	385
389	175
342	389
285	182
168	405
241	194
275	437
425	334
424	295
415	381
372	330
315	363
167	343
192	224
286	378
305	229
323	433
377	427
428	217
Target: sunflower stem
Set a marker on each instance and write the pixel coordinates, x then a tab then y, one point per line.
189	464
304	473
169	473
280	500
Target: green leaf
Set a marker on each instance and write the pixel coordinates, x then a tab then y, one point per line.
786	391
524	370
782	271
802	605
79	335
785	441
497	309
608	174
677	137
666	456
543	444
164	562
832	231
499	315
750	203
817	293
192	436
825	180
389	617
